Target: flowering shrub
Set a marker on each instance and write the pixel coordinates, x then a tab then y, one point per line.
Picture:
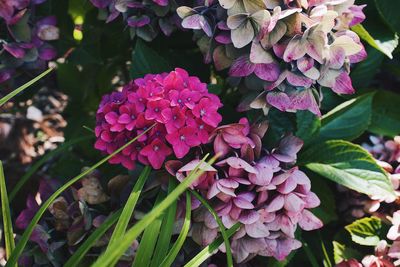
261	189
179	107
25	39
234	129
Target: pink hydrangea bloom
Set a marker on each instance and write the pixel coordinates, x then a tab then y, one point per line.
263	190
178	107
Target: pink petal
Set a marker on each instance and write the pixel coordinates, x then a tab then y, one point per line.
267	72
309	221
257	230
242	67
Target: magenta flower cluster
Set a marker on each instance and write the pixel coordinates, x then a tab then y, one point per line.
263	190
24	41
178	107
287	50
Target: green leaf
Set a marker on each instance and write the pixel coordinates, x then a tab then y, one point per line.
210	249
6	214
120	246
385	43
145	60
36	166
28	231
385	114
341	252
91	240
348	120
364	72
167	227
129	207
365	231
169	259
349	165
220	225
308	125
149	238
21	30
389	11
326	211
312	259
23	87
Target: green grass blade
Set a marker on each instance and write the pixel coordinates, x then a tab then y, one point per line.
123	243
6	214
149	238
91	240
167	227
221	226
24	86
28	231
36	166
169	260
129	207
209	250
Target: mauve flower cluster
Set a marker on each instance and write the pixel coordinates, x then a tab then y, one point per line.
146	18
24	41
288	49
387	155
177	106
261	189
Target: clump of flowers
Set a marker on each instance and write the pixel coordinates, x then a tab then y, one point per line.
387	155
178	107
24	41
144	18
262	190
289	50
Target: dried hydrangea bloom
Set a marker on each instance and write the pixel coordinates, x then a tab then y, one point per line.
71	218
288	50
178	107
26	43
146	18
261	189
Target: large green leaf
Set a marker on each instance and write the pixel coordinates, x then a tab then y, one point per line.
364	72
6	214
385	114
348	120
341	252
146	60
308	125
349	165
389	11
365	231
